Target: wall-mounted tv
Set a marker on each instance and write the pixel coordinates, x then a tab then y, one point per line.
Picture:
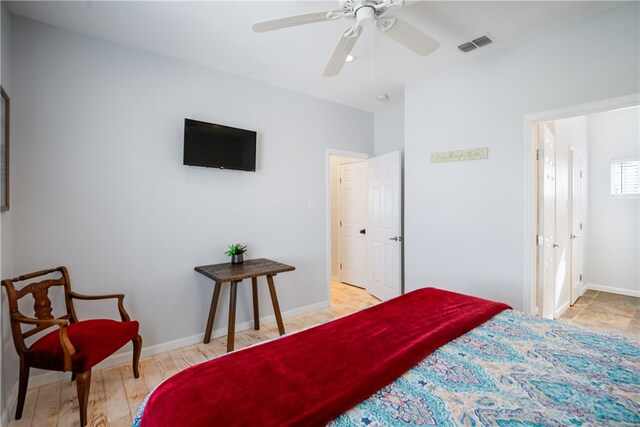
217	146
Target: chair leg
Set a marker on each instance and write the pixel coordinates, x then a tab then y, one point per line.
83	384
137	348
22	388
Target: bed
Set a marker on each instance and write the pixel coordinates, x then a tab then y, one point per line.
429	357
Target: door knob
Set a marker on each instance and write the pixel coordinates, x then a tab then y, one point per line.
396	238
363	231
555	245
575	236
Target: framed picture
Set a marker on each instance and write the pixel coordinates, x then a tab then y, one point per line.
4	153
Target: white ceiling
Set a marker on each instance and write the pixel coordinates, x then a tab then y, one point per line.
217	34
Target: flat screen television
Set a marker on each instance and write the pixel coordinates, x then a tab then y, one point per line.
217	146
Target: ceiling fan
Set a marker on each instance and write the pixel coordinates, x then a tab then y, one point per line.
363	12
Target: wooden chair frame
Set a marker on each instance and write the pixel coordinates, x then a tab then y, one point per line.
44	320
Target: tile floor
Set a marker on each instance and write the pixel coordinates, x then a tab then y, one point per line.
603	311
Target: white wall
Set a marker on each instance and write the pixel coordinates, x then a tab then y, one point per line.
464	221
389	130
569	133
614	224
99	184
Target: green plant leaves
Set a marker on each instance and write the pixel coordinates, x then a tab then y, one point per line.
236	249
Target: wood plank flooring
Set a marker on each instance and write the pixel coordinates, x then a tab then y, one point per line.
116	394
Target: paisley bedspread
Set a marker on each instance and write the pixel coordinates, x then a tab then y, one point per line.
513	370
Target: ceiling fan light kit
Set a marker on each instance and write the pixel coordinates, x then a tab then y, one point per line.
364	13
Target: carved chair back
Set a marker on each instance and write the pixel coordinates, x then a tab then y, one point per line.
42	304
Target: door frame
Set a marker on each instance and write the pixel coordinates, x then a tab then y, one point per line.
572	154
327	192
545	286
530	185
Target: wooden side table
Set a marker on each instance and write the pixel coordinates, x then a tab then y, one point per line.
235	273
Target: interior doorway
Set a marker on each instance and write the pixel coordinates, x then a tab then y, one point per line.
561	201
364	222
560	188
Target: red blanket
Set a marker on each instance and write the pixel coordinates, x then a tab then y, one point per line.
311	377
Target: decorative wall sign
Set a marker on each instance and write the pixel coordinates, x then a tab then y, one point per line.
4	152
460	155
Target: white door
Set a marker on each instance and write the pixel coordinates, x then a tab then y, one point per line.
562	293
385	225
548	221
577	193
353	219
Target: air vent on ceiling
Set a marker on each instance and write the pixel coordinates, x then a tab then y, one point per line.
474	44
467	47
482	41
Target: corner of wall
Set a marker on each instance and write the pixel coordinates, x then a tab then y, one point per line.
389	130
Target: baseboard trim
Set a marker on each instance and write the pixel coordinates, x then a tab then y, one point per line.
48	377
610	289
335	279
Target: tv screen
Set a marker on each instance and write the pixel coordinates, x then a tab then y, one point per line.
217	146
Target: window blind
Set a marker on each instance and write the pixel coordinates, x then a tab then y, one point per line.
625	178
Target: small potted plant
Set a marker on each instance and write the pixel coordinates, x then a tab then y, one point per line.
235	252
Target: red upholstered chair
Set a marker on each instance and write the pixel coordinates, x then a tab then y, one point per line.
74	346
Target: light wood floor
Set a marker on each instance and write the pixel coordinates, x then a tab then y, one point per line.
116	394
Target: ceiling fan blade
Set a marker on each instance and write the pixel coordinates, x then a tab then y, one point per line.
292	21
342	50
408	35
